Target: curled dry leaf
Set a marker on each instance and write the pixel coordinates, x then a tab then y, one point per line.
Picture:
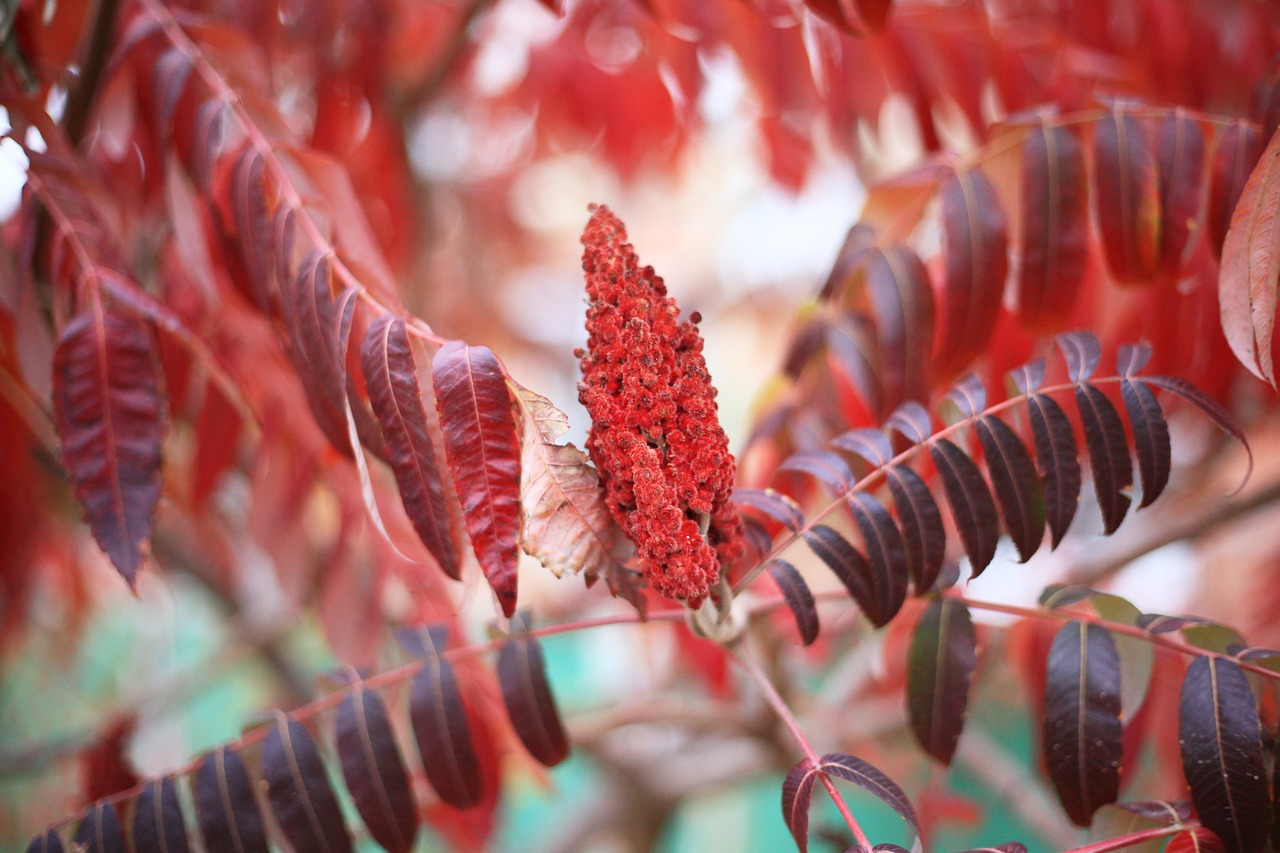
567	525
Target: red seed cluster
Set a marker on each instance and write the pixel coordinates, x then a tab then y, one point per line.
655	437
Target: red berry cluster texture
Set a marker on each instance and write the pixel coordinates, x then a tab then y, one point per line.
655	438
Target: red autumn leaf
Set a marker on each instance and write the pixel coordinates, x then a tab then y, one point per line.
110	418
483	449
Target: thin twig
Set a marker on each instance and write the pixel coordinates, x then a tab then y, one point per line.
789	720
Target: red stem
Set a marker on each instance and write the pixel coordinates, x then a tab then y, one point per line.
1122	841
797	734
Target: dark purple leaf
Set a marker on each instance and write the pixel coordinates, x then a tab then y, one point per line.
46	842
849	566
99	831
972	506
860	238
308	307
169	78
940	664
797	790
1131	358
1029	377
158	824
868	443
804	345
757	537
1221	418
889	848
968	395
1017	487
886	554
1222	754
975	254
1108	454
305	807
1167	812
1181	161
1150	438
902	302
1127	198
483	449
912	421
391	376
1239	145
1081	351
528	699
444	735
923	537
252	223
1054	236
822	465
775	505
798	597
852	350
1057	461
374	771
1082	730
423	640
206	142
109	414
226	808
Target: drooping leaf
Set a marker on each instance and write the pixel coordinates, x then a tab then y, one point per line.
309	307
902	302
774	504
1082	729
975	254
886	554
483	450
798	597
1054	240
1250	265
1150	438
1108	454
824	466
923	537
1221	740
1181	162
46	842
1081	351
797	790
109	414
298	788
849	566
443	734
1236	152
567	525
972	506
158	825
1057	461
374	772
1126	196
1017	487
1209	407
940	664
100	831
526	693
226	808
391	375
869	443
